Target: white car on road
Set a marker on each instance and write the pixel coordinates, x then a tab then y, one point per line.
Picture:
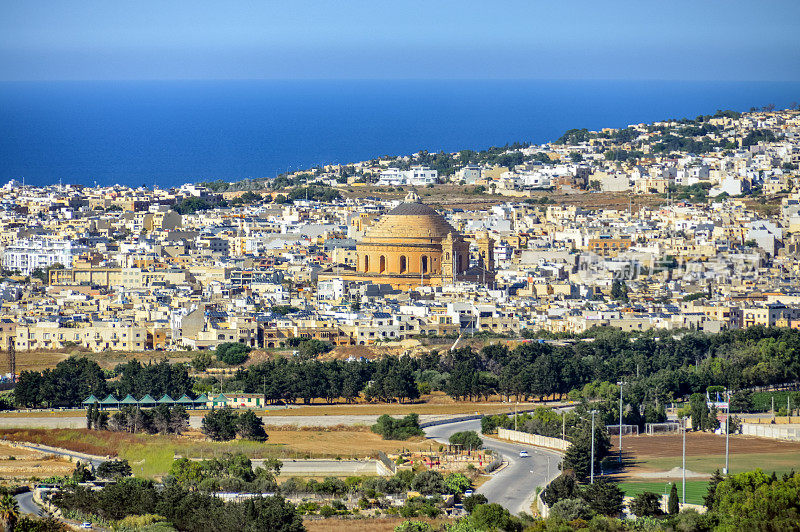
523	454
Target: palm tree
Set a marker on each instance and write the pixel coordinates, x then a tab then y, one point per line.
9	512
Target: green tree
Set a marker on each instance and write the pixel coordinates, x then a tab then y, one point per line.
187	473
202	361
756	501
467	439
571	509
250	426
673	507
710	496
646	504
114	469
9	512
564	486
604	497
220	425
82	473
398	429
619	290
429	483
232	353
474	500
492	516
413	526
457	483
699	412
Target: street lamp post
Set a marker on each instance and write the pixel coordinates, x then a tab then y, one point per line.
592	464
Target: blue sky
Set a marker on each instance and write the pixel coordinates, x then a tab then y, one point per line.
296	39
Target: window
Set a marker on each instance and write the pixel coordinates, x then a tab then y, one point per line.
382	265
424	264
403	264
366	263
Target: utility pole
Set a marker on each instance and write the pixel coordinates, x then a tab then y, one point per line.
620	421
683	469
592	464
515	415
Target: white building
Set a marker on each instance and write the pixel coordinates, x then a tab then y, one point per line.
26	255
469	174
416	175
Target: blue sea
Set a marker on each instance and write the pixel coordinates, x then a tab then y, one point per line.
172	132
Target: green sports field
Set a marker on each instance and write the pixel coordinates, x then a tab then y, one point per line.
695	489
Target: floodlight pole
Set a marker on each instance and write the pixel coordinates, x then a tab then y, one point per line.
727	432
592	464
683	469
620	421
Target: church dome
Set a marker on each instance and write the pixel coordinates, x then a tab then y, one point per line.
410	220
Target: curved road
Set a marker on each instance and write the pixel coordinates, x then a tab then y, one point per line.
26	504
515	485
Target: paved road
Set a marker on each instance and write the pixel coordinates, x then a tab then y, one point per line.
195	421
26	504
62	452
515	485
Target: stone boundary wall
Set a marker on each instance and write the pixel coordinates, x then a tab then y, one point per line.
777	420
532	439
775	432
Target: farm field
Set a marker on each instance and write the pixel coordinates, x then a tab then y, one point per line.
19	463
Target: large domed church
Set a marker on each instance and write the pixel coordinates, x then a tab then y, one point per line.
414	245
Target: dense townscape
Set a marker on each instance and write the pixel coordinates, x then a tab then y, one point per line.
640	280
704	240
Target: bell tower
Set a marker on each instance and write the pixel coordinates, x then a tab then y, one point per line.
449	267
485	250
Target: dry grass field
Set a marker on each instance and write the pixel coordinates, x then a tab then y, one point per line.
341	441
394	409
152	455
44	359
463	196
20	463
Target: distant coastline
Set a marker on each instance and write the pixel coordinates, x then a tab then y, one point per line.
169	133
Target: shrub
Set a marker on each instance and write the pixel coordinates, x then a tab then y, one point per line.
429	483
457	483
474	500
413	526
571	509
